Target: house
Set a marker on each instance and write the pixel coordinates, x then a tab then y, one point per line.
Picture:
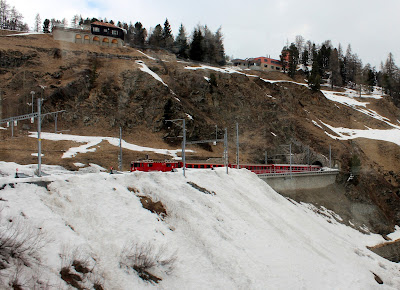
259	63
100	33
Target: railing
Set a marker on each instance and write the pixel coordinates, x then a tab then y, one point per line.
285	174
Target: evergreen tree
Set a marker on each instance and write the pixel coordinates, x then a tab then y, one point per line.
181	44
139	34
196	50
46	26
156	36
314	80
336	79
168	39
293	59
219	54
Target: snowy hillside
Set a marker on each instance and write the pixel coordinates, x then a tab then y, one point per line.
219	232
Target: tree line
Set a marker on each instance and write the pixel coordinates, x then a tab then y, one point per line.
341	68
202	45
10	18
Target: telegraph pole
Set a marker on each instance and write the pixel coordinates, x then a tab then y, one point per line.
39	173
120	149
184	146
33	95
237	145
226	149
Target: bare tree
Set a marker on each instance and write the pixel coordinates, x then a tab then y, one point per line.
38	23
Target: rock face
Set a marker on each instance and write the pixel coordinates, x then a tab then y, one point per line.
104	88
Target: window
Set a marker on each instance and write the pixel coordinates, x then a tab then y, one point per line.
114	32
150	164
265	65
105	30
277	68
201	166
136	164
96	29
196	166
272	66
168	164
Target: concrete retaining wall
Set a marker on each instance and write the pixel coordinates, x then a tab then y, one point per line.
300	181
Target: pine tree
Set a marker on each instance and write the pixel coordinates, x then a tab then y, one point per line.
336	79
293	59
219	54
168	39
139	34
46	25
156	36
181	45
196	51
314	80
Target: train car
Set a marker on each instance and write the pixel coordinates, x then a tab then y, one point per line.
278	168
165	166
150	165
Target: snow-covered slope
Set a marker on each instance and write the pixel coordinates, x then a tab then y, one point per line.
220	232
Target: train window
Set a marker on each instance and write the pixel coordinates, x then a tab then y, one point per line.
168	164
201	166
208	166
196	166
150	164
136	164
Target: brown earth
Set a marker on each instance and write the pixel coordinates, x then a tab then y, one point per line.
103	88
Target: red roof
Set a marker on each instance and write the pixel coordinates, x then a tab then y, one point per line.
104	24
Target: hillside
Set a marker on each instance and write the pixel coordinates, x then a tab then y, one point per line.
209	230
105	88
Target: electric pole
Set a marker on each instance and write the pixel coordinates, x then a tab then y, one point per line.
39	173
237	145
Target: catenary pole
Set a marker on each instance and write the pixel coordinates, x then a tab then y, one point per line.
184	147
237	145
39	173
120	149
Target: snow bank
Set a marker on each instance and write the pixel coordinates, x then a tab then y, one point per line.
241	236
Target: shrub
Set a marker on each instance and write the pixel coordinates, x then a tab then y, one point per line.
143	257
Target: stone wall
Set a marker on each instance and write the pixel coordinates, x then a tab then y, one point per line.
85	37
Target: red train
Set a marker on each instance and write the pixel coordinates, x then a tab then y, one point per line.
164	166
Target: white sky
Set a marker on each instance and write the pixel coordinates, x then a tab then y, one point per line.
251	29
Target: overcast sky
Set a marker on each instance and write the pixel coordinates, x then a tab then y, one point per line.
254	28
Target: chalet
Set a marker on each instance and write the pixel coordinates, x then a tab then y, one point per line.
99	33
259	63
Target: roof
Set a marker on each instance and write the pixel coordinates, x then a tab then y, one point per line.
105	24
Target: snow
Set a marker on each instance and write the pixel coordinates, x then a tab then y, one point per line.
79	164
146	55
246	236
316	124
348	98
145	69
389	135
273	134
92	141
